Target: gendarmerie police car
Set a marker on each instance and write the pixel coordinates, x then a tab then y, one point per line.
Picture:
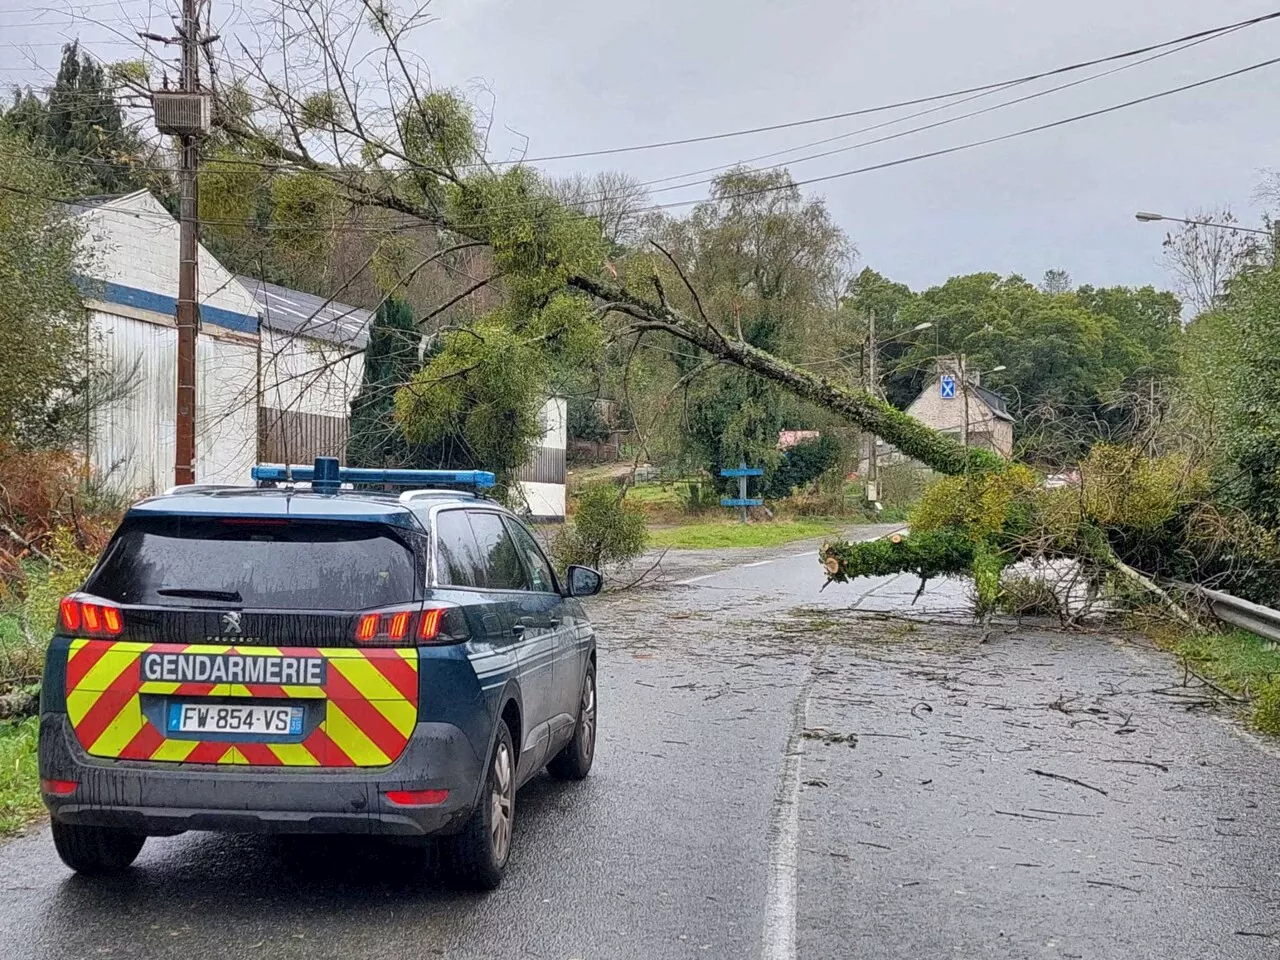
294	658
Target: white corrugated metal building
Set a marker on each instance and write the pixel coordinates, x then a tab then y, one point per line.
276	369
130	289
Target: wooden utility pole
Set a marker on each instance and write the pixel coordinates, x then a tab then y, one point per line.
188	316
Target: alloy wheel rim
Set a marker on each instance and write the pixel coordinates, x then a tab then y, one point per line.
588	715
500	803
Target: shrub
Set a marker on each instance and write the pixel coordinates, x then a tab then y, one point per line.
801	465
829	497
605	530
697	497
46	584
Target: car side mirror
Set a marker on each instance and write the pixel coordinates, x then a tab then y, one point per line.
583	581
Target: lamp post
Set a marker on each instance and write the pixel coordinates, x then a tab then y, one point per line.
1144	216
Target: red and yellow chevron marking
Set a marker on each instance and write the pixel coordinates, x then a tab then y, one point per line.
370	711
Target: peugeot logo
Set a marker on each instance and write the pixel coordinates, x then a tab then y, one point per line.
231	622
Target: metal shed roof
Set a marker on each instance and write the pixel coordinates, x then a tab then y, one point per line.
304	314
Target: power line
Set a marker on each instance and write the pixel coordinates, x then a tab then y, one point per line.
928	126
1017	133
901	161
1252	21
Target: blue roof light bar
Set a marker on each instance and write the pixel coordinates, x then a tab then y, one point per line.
327	476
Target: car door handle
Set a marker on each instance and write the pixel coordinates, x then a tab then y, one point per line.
519	628
553	622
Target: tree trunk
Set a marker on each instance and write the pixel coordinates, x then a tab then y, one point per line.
860	407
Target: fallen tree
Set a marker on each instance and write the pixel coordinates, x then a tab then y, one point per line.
366	132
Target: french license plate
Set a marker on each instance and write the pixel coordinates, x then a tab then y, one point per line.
234	718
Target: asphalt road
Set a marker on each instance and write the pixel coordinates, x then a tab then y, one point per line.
782	772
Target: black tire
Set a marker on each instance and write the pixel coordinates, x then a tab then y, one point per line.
96	850
477	857
574	761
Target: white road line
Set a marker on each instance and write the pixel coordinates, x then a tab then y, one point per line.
779	941
705	576
761	563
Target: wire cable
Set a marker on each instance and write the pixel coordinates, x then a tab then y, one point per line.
1252	21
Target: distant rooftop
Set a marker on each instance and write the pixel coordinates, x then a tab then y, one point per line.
993	400
292	311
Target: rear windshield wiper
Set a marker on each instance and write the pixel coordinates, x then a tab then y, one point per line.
195	593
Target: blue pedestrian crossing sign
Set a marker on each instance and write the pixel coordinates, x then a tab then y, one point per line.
948	387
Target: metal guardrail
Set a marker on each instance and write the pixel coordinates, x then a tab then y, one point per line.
1253	617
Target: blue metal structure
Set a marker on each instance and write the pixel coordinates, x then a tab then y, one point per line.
742	501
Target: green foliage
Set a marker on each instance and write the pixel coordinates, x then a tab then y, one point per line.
585	422
1266	708
46	584
1123	488
696	497
390	361
44	344
82	121
302	204
1242	663
323	111
728	534
802	465
536	240
767	262
1077	363
1241	369
986	569
605	530
474	403
927	555
19	776
984	508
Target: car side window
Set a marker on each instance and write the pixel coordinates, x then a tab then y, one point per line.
501	559
459	560
539	569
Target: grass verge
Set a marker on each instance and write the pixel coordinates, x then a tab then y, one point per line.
710	536
1242	663
19	786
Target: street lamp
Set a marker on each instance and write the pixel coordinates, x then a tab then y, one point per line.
1145	216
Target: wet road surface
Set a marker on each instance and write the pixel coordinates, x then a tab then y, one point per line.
782	772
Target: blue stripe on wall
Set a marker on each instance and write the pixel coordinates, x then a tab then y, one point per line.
159	303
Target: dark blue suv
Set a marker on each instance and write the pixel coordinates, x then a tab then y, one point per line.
307	657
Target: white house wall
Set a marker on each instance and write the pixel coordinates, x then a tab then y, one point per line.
131	444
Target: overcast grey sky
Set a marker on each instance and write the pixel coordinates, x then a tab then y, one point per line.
585	74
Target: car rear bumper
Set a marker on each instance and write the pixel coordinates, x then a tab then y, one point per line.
159	798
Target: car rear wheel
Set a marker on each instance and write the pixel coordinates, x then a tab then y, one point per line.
478	855
96	850
574	761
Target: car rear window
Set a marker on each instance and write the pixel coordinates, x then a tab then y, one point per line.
256	564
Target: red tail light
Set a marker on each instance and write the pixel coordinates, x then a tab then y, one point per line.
59	788
90	617
395	628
